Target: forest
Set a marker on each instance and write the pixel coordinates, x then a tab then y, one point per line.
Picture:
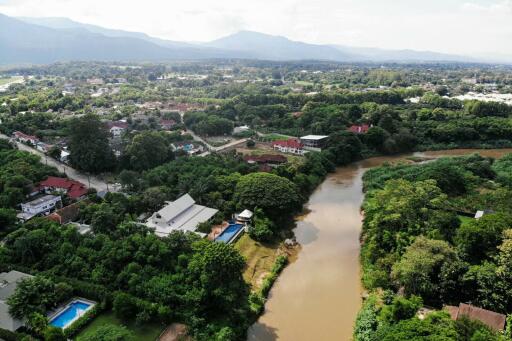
422	247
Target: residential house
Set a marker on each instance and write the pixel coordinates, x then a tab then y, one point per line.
64	156
188	147
480	214
314	142
43	147
240	129
183	214
291	146
95	81
43	205
66	214
117	128
490	318
167	124
8	283
22	137
74	189
271	159
266	162
244	217
359	129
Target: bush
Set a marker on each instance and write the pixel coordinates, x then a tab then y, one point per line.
8	335
366	322
109	332
279	265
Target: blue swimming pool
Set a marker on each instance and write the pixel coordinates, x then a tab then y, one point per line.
72	312
229	233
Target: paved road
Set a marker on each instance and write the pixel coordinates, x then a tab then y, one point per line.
72	173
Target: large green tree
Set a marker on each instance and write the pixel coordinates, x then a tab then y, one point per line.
147	150
89	145
418	272
275	195
36	295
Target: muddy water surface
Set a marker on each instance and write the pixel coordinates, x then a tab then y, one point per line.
317	297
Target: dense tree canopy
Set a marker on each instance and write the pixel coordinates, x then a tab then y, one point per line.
275	195
89	146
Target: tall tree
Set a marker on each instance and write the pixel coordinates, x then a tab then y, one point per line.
89	145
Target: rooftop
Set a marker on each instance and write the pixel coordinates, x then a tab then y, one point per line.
9	281
314	137
490	318
75	189
42	200
182	214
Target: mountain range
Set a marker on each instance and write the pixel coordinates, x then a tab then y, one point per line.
46	40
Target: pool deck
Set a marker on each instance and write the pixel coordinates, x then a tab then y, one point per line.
217	230
52	315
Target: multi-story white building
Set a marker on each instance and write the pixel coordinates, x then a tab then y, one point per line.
314	142
42	205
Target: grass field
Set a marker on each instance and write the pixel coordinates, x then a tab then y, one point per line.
304	83
7	80
275	137
147	332
464	220
260	259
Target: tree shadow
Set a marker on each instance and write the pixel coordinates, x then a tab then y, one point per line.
261	332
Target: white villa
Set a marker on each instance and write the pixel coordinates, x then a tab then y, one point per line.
183	214
41	205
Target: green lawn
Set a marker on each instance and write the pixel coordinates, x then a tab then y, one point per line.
464	220
274	137
147	332
304	83
259	257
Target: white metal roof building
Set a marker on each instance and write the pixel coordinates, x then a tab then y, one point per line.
313	142
183	214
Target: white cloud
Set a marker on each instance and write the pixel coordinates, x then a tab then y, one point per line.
455	26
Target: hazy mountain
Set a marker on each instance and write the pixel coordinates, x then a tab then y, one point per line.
21	42
384	55
264	46
65	23
46	40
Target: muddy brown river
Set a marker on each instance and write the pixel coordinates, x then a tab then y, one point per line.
317	297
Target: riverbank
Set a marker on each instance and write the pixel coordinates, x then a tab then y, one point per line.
322	288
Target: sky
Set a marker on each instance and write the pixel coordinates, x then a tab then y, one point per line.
464	27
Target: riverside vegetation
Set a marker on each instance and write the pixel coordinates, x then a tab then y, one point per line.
144	279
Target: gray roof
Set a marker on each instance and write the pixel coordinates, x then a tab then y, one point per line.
41	200
8	283
176	207
183	214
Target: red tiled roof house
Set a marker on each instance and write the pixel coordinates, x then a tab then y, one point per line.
359	129
74	189
490	318
291	146
22	137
